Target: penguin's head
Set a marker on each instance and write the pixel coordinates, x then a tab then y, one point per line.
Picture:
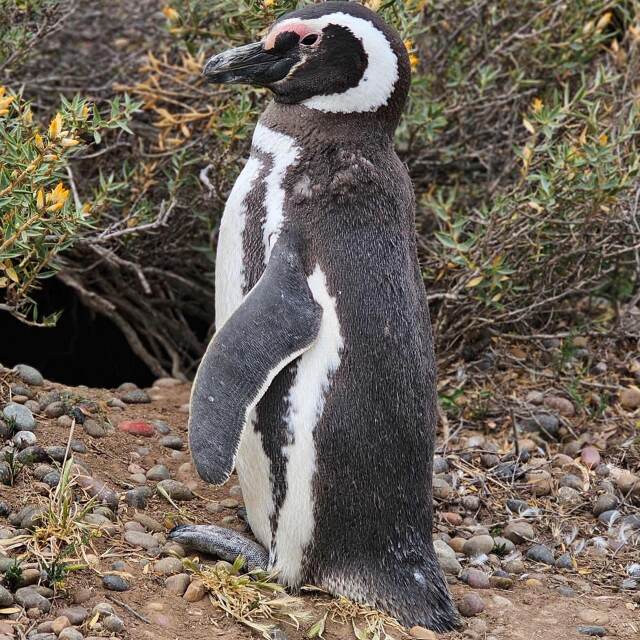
337	57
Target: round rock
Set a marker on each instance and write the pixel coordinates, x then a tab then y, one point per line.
20	415
471	605
541	553
115	583
175	490
29	374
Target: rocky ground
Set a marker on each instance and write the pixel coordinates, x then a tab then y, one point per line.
536	491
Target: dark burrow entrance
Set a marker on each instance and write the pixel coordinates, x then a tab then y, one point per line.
83	348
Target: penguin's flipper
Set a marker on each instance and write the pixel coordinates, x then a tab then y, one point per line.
222	543
277	322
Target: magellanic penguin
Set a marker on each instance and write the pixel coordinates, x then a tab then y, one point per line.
319	385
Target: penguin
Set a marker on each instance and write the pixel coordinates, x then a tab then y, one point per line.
319	385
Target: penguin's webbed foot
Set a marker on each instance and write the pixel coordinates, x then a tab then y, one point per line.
222	543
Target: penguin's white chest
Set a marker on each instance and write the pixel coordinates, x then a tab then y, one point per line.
314	369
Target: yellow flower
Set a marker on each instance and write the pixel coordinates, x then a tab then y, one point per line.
537	105
69	142
40	199
56	126
603	138
170	14
84	114
38	141
268	3
27	116
57	197
3	90
414	61
4	104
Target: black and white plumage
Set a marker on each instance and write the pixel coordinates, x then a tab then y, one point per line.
319	385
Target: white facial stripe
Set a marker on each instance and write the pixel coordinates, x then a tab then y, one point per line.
379	79
284	152
230	253
306	403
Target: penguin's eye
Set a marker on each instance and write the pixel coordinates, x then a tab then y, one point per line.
309	39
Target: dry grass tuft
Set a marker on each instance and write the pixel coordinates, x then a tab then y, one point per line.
249	598
377	625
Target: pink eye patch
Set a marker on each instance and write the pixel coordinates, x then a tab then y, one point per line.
298	27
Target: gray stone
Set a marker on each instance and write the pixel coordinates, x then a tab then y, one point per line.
56	453
518	532
28	374
141	539
475	579
32	455
172	442
605	502
517	506
441	488
76	615
571	481
544	423
440	465
5	508
541	553
113	624
632	521
569	497
564	561
6	599
607	516
20	415
471	605
115	583
29	598
77	446
177	584
70	634
162	428
158	472
148	522
138	497
6	475
52	479
478	545
42	636
168	566
21	390
136	396
41	470
175	490
24	439
116	403
94	428
593	631
54	410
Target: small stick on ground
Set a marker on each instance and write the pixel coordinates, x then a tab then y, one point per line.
131	610
516	442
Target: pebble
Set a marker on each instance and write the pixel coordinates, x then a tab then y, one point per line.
29	598
563	406
441	488
630	398
20	415
478	545
440	465
32	455
544	423
148	522
176	490
590	457
420	633
94	428
177	584
535	397
476	579
564	561
566	592
76	615
29	375
113	624
541	553
141	539
116	403
168	566
195	591
115	583
161	427
158	472
136	396
138	497
70	634
137	428
500	582
54	410
607	516
447	558
593	631
56	453
471	605
24	439
6	599
172	442
605	502
515	566
98	489
517	506
60	623
518	532
569	480
569	497
627	482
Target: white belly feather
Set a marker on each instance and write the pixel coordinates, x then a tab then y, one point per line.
313	376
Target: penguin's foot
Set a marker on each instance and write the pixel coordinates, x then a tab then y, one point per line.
222	543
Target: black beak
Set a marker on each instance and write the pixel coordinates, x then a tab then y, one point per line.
250	64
